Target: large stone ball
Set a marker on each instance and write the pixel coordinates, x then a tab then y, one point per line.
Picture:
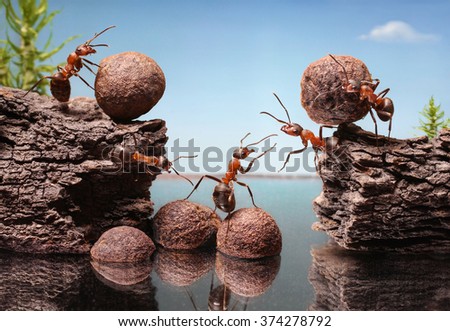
249	233
322	95
123	244
128	85
182	224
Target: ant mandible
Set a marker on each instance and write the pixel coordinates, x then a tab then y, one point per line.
155	165
296	130
384	107
59	81
223	195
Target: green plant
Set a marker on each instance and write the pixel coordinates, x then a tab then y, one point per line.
22	63
433	119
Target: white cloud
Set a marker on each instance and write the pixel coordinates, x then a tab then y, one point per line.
397	31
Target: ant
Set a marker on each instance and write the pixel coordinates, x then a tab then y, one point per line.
223	195
155	165
384	107
59	81
296	130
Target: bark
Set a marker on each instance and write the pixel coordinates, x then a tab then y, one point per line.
59	187
394	197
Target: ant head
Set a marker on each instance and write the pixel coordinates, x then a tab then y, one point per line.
242	153
292	129
164	163
352	86
84	50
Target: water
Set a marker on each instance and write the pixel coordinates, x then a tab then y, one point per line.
311	274
289	201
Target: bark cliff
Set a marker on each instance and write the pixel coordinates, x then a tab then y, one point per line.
59	187
390	195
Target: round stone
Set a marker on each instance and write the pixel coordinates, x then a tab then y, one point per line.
128	85
123	244
322	93
182	224
249	233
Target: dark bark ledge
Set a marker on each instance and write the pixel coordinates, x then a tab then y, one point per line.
59	188
394	198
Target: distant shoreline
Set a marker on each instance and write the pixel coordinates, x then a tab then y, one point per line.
172	176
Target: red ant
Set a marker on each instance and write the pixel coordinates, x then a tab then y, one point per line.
223	195
384	107
59	81
296	130
154	164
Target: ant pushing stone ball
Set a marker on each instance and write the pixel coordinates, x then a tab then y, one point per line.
339	89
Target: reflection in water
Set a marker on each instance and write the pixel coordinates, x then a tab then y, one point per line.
122	275
29	282
237	280
65	282
243	278
345	280
182	268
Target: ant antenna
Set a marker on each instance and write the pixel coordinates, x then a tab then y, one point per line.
342	66
98	34
285	109
244	138
175	170
270	135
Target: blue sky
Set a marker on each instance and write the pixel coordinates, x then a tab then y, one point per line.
223	59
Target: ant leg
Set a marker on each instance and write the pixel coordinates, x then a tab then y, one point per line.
289	155
175	170
374	122
324	126
90	62
249	191
390	127
89	68
383	93
84	81
253	161
36	84
198	183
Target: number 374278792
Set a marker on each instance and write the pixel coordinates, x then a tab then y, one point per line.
312	320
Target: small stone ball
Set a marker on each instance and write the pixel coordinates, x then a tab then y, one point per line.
182	224
252	234
247	278
128	85
123	244
322	95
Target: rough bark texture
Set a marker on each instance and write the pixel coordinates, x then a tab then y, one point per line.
346	280
393	197
58	185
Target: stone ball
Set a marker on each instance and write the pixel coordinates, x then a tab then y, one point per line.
182	224
247	278
123	244
128	85
249	233
322	95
